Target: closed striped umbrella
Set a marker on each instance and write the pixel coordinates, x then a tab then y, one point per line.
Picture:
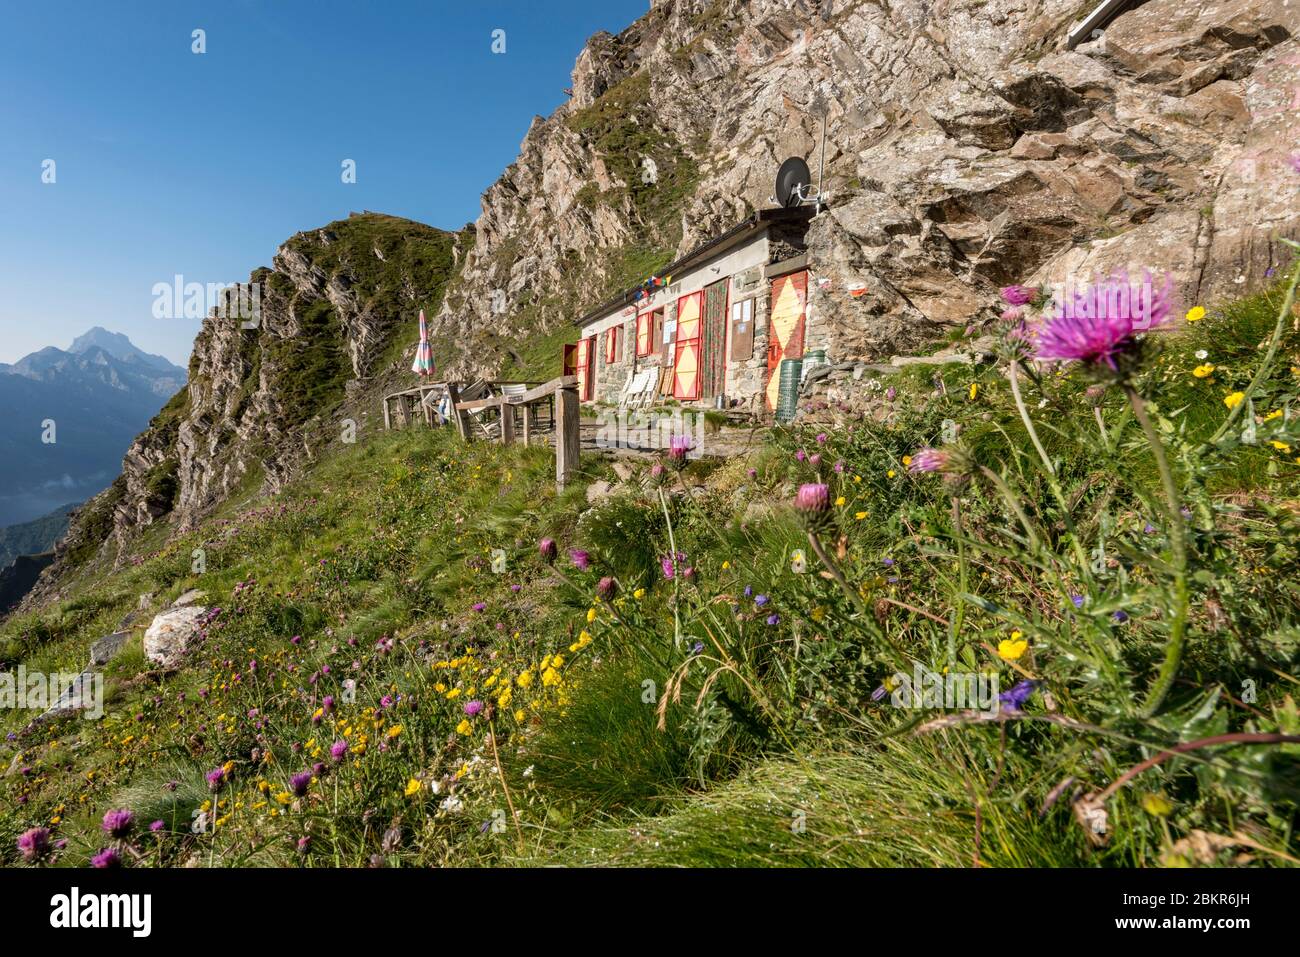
423	364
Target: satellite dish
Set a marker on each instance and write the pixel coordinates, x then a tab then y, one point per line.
792	182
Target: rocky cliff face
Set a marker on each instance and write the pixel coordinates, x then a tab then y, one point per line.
966	148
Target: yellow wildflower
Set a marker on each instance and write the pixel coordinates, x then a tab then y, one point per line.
1233	399
859	515
1195	314
1157	805
413	787
840	500
1009	649
974	390
464	727
525	680
639	594
1203	370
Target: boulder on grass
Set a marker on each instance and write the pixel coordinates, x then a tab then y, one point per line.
171	632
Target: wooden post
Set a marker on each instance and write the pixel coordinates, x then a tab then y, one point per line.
388	418
528	424
426	409
460	415
507	423
568	435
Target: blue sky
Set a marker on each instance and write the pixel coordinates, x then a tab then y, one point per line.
171	162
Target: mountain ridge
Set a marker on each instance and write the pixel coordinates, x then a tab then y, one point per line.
965	149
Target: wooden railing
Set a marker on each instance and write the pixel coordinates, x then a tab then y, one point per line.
400	402
560	396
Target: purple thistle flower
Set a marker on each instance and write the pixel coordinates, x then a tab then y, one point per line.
801	455
1097	326
34	844
106	859
472	708
929	460
480	606
1018	295
548	550
669	564
679	449
581	559
299	783
606	588
118	823
338	751
157	826
813	499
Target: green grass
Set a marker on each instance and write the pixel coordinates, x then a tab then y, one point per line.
689	722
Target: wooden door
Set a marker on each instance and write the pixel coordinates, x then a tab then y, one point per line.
713	372
785	327
585	369
686	361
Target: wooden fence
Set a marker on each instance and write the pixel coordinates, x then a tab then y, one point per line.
496	416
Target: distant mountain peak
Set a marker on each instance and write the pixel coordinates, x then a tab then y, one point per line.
120	347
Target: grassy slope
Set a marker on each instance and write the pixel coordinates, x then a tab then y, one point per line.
771	750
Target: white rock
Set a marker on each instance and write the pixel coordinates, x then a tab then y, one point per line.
170	633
